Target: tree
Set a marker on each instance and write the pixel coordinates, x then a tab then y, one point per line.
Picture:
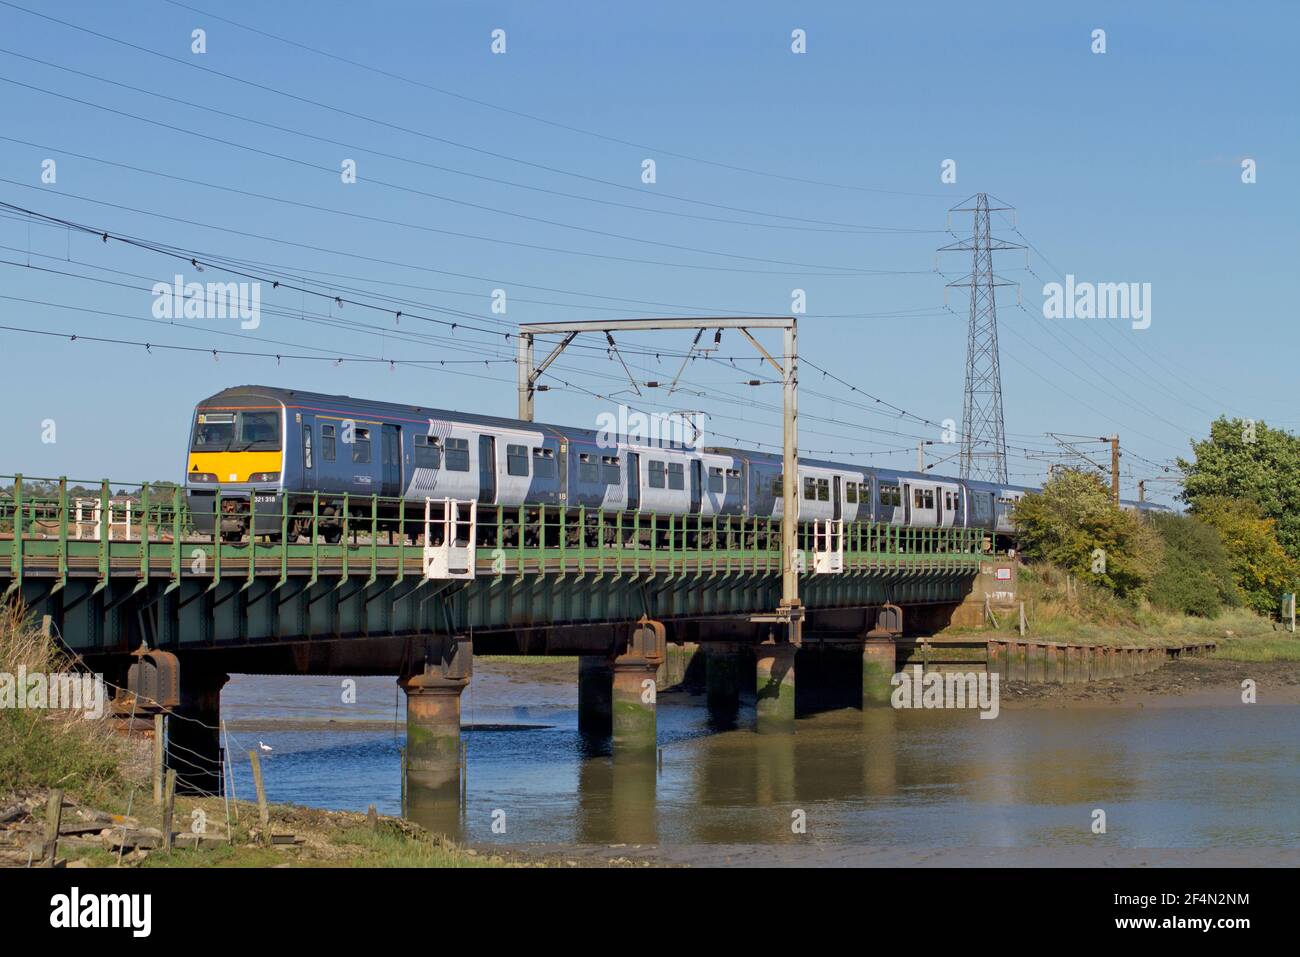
1073	523
1197	575
1244	459
1262	568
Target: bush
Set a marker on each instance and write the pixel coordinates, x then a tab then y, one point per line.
1196	576
1072	523
1260	566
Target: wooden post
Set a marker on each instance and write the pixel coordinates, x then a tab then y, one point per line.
263	814
372	818
1022	619
53	818
158	759
169	808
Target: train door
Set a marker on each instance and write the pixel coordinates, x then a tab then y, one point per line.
487	470
308	428
939	504
907	502
391	484
697	483
633	482
836	493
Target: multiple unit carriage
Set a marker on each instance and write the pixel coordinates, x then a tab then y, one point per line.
290	451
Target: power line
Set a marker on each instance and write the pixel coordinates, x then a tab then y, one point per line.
538	119
844	273
816	225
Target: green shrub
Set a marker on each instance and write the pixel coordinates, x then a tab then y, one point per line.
1196	577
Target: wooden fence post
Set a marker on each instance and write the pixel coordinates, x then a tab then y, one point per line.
53	818
263	814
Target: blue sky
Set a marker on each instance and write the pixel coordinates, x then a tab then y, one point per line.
1124	167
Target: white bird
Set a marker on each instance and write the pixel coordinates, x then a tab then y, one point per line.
264	746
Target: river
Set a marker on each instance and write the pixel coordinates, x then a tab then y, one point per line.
1209	776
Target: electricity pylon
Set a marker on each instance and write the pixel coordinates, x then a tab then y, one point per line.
984	443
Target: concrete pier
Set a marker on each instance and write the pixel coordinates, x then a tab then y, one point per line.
634	697
635	693
878	657
596	695
193	731
722	681
774	678
433	742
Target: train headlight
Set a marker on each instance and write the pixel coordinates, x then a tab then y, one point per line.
197	477
264	477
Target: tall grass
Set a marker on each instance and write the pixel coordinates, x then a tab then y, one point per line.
45	748
1070	609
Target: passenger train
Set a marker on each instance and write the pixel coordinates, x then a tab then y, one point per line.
276	447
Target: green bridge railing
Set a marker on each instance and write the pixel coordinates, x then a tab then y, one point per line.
59	528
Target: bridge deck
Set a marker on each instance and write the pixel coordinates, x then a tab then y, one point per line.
536	567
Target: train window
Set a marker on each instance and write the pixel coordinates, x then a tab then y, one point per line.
544	463
676	476
361	445
610	473
810	489
306	446
259	430
891	495
851	492
733	481
587	470
456	455
213	431
657	474
778	490
427	453
327	442
517	460
716	482
823	490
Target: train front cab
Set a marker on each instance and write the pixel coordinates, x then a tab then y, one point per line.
239	450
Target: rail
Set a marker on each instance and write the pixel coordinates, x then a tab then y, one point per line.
148	531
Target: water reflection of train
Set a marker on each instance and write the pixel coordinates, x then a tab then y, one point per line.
279	446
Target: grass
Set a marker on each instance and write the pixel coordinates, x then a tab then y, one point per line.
548	660
46	747
1088	614
328	839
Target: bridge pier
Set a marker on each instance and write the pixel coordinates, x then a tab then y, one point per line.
635	731
194	730
433	743
722	670
878	657
774	704
595	695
